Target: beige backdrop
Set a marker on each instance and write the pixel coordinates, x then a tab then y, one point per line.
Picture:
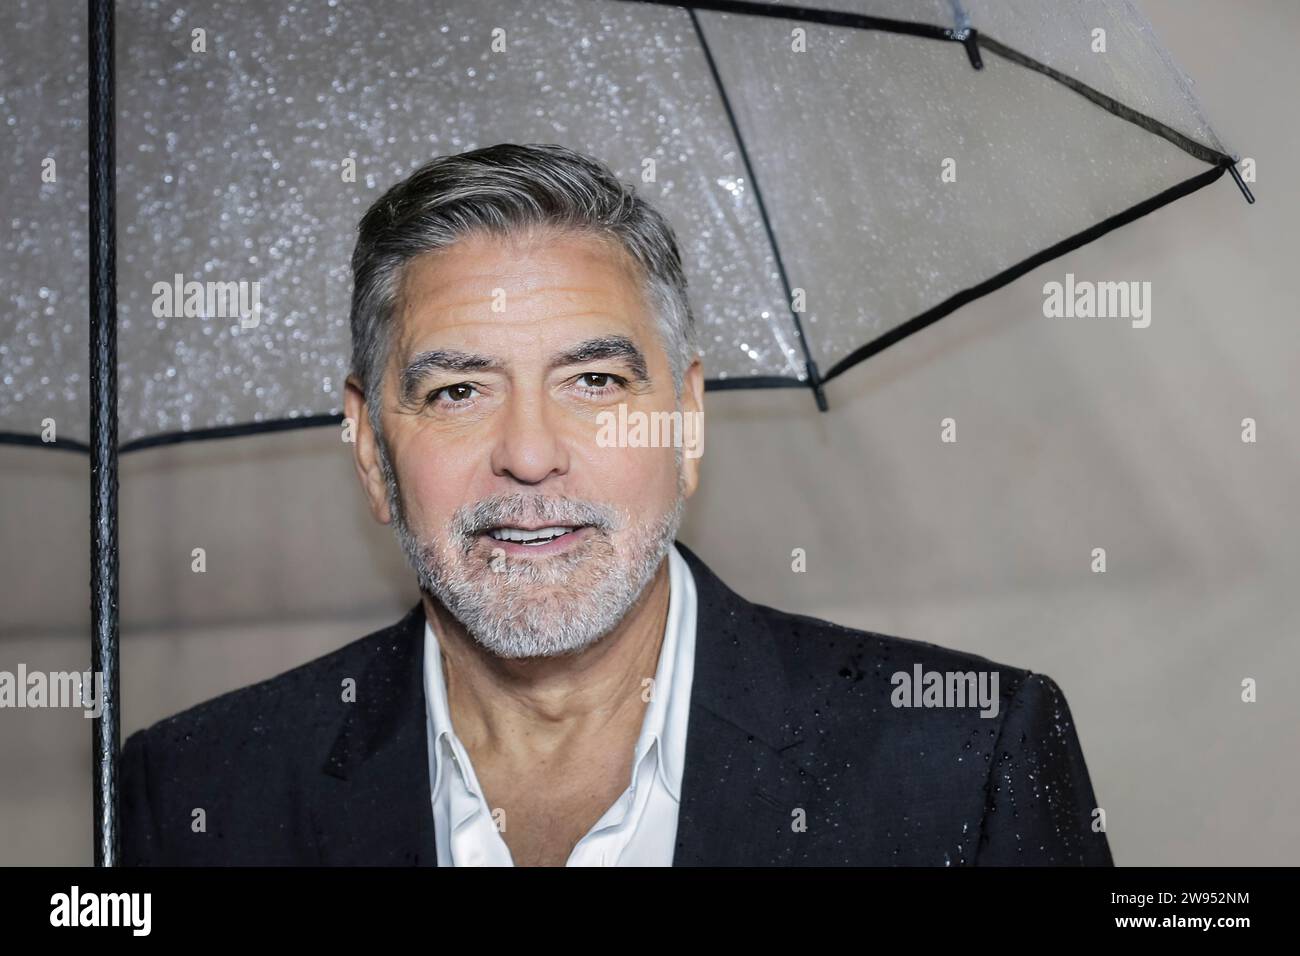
1071	435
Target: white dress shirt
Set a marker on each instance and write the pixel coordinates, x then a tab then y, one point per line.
640	828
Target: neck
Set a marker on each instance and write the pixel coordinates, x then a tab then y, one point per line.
537	708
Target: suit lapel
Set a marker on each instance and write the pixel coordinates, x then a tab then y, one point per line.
746	779
373	805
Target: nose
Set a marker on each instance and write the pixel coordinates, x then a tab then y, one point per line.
529	446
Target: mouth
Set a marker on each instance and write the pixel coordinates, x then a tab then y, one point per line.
533	537
518	540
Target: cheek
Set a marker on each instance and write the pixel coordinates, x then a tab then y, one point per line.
643	480
433	486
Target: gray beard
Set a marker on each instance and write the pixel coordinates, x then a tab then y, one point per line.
536	607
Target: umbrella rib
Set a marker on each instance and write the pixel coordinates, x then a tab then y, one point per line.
810	364
238	430
1108	103
954	302
753	381
61	444
973	40
831	18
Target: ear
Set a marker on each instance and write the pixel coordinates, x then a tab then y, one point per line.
693	430
365	451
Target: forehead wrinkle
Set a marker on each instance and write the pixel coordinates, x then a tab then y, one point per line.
537	339
599	252
473	306
436	274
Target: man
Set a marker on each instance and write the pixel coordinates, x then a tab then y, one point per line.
574	687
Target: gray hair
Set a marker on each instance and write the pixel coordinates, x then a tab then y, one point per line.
504	190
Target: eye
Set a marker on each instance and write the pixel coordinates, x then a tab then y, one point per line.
600	383
458	394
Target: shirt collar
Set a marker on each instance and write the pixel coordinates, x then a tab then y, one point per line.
435	694
666	713
669	708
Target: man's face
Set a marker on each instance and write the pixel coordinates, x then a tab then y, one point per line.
534	534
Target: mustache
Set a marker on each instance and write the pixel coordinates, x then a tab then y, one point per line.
496	511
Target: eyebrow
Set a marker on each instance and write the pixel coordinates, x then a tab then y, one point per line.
453	360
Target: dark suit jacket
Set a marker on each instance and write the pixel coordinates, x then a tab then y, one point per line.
794	756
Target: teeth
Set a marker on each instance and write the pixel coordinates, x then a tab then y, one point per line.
521	536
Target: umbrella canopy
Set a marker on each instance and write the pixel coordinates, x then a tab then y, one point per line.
839	176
